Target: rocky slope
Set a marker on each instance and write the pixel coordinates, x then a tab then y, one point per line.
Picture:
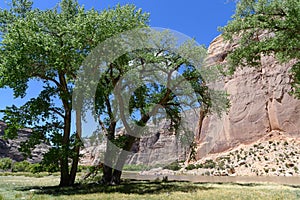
260	103
273	155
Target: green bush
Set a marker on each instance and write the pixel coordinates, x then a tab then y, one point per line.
5	164
209	164
22	166
36	168
190	167
82	168
173	166
199	166
51	168
221	165
296	169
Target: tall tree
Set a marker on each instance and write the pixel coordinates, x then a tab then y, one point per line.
266	27
161	80
49	46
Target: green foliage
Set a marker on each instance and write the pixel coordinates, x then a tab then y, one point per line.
209	164
199	165
50	46
191	167
175	166
82	168
23	166
5	164
266	27
36	168
221	165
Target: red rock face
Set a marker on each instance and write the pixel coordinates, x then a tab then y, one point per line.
260	102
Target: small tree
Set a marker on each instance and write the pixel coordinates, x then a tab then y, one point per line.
49	46
279	21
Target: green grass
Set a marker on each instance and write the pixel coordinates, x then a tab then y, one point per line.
29	174
45	188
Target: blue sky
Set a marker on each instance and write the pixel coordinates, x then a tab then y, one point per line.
198	19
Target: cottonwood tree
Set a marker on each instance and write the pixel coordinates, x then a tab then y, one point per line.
279	22
159	80
49	46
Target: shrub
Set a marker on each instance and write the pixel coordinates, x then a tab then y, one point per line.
51	168
191	167
199	166
36	168
22	166
82	168
296	169
259	158
221	165
173	166
5	164
266	170
292	154
209	164
266	158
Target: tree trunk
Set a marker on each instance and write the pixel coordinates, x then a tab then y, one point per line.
76	148
116	179
64	165
107	175
64	173
109	155
66	97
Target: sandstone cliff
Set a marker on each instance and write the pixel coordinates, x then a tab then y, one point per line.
260	103
159	147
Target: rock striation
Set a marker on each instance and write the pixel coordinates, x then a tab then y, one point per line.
260	103
159	146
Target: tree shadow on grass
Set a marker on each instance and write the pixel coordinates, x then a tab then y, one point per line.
127	187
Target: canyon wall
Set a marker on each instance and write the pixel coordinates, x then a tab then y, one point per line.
259	99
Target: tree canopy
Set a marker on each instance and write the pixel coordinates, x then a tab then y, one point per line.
279	23
49	46
143	84
157	78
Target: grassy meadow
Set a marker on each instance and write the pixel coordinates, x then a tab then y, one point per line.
45	188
